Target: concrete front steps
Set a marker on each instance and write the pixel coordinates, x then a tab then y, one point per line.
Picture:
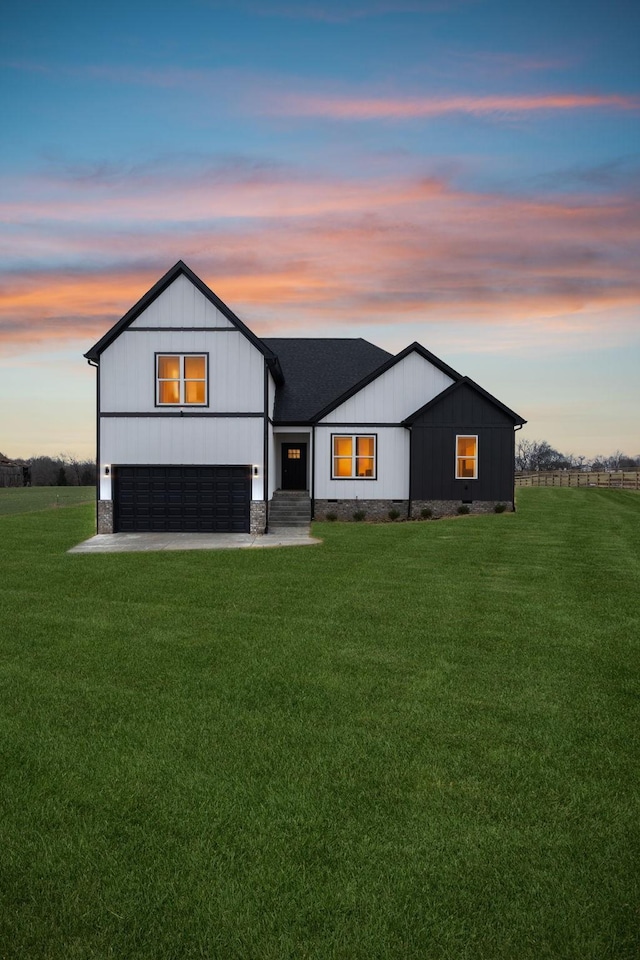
289	508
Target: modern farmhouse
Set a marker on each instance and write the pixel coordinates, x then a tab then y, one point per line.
203	426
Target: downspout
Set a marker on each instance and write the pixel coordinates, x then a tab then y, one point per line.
513	501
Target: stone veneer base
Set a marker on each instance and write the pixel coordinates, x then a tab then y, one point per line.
105	516
372	509
258	517
449	508
344	510
379	509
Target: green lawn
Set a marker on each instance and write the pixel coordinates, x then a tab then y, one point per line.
26	499
414	741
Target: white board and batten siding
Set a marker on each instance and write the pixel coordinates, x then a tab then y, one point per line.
189	440
389	399
128	386
392	466
182	305
394	395
128	372
271	442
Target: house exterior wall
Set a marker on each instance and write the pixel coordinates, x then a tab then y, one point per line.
433	450
271	391
228	430
392	465
182	440
414	466
394	395
271	444
128	370
181	304
271	454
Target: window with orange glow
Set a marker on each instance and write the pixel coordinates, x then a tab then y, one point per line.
354	457
466	458
181	379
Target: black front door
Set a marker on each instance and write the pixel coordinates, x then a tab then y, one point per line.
294	466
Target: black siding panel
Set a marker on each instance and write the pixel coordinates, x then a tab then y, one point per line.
433	450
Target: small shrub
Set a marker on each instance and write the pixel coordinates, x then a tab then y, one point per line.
426	513
463	508
359	515
500	507
393	514
331	516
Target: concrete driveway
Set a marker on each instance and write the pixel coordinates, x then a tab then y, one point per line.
142	542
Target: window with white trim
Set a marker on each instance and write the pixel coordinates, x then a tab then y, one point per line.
466	457
181	379
353	457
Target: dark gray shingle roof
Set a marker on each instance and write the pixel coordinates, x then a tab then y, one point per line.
317	371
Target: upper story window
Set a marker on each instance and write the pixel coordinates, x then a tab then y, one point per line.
466	458
181	379
354	457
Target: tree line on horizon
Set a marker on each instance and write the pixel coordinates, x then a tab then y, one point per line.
532	456
538	456
63	470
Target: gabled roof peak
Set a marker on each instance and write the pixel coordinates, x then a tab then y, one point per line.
414	347
178	269
465	382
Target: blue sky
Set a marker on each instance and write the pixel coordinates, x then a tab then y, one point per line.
458	172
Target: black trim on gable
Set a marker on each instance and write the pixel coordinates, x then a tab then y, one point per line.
462	382
181	330
181	412
181	268
366	425
412	348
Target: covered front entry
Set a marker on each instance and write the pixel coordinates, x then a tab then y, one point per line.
294	466
181	499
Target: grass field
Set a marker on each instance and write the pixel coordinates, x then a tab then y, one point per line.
414	741
26	499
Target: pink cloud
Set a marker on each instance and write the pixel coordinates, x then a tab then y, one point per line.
294	253
399	108
202	196
269	94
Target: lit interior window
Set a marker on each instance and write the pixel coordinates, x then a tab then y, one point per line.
354	457
365	453
466	458
182	379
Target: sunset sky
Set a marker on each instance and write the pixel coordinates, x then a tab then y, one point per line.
463	173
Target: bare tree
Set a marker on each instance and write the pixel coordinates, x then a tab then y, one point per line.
536	455
45	471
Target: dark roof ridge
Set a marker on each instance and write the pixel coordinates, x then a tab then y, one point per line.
337	339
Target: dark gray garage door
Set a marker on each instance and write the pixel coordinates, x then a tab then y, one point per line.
182	499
